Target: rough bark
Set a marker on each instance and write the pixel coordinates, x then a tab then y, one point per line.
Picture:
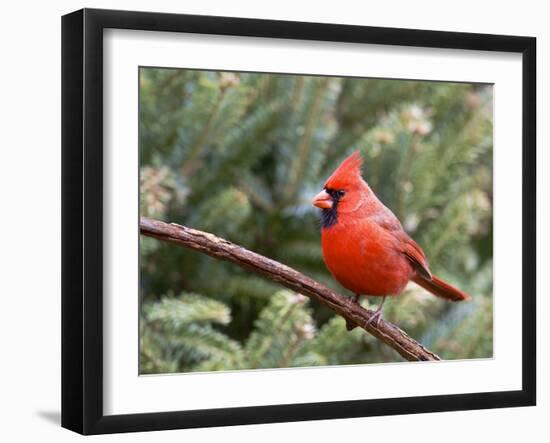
222	249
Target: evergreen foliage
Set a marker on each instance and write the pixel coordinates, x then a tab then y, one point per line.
241	154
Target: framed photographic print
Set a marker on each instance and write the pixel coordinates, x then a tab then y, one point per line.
269	221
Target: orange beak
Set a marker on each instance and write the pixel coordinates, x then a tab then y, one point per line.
322	200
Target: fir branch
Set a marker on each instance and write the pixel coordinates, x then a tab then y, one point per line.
304	147
196	149
224	250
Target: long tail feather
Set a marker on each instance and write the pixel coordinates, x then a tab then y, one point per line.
440	288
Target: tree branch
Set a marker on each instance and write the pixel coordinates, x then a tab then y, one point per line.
224	250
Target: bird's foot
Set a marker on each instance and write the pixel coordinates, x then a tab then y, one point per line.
374	318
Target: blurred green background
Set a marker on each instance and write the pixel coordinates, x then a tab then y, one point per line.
242	154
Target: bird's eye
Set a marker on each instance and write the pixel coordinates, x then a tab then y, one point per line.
340	193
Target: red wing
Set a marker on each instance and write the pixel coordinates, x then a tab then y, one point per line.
407	245
416	256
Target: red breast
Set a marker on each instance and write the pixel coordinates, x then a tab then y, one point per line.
365	259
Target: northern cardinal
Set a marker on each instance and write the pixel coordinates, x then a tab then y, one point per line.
364	245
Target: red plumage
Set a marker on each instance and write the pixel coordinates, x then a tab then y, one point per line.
364	245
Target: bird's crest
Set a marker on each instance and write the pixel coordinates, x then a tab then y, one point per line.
348	173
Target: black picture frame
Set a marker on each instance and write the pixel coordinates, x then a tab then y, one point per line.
82	219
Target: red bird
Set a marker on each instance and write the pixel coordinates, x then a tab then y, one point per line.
364	245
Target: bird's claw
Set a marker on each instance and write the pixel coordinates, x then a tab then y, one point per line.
374	318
